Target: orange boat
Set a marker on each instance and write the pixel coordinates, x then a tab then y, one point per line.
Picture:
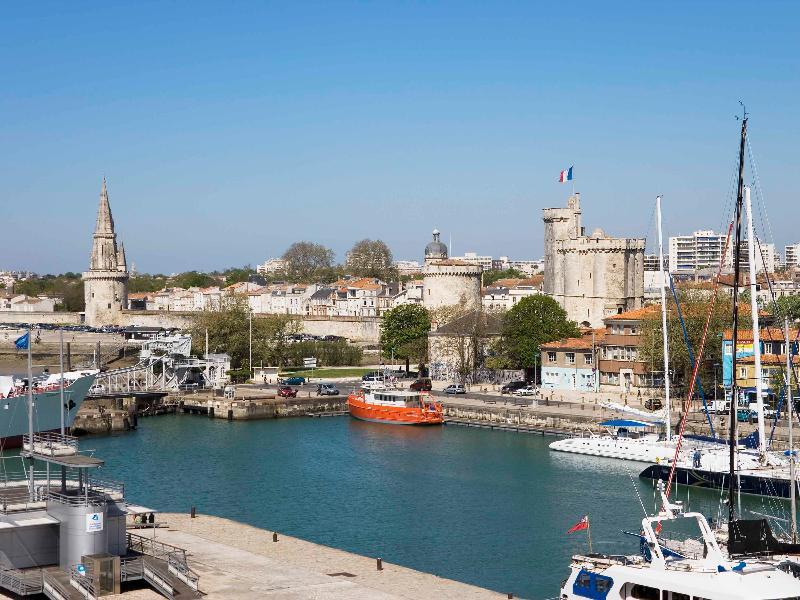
396	407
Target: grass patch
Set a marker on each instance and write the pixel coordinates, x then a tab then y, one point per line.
326	372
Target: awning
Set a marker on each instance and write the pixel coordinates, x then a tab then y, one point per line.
626	423
133	509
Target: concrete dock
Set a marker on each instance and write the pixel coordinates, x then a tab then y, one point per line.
237	561
241	562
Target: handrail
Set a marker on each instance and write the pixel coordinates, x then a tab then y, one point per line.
21	582
84	581
177	565
49	580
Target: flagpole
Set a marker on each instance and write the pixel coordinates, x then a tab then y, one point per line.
30	416
61	363
589	533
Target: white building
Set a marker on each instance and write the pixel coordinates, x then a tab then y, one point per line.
505	293
23	303
791	256
529	267
408	267
703	249
271	266
472	258
766	259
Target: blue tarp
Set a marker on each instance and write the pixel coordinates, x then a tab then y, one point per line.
626	423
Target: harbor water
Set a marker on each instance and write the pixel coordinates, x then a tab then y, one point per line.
485	507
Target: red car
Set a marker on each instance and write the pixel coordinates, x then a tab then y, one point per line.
286	391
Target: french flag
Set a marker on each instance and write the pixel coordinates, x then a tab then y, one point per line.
565	176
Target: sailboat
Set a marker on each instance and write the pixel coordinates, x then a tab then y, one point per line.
635	439
659	572
757	471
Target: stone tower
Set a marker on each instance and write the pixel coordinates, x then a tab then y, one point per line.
593	276
106	281
449	282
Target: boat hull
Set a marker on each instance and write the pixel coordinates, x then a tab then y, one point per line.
756	485
46	415
392	415
619	448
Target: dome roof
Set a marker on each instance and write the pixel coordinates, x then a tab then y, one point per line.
435	249
598	233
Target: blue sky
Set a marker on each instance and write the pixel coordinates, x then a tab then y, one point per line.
229	130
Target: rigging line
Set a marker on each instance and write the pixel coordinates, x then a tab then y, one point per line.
759	192
689	349
701	350
638	495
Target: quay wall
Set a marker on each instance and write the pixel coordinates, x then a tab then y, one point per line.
357	329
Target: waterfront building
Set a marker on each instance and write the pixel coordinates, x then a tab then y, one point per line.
569	364
593	276
472	258
106	281
529	267
410	293
772	346
457	349
449	282
619	363
689	255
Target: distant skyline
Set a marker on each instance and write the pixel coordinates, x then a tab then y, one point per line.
227	132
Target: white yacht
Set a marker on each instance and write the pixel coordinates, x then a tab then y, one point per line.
661	574
626	439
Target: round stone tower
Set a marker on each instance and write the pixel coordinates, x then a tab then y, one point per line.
106	281
448	282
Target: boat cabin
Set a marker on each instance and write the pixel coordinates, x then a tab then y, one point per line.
629	428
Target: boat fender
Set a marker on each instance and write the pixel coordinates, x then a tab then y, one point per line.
658	460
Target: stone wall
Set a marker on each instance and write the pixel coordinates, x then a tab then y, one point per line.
56	318
356	329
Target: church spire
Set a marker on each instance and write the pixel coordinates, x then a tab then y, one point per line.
104	246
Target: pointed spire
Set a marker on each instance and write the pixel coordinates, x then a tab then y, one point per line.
121	263
105	222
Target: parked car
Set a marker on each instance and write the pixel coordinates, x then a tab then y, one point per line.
455	388
528	390
511	386
286	391
327	389
422	385
745	415
293	381
653	403
717	407
97	388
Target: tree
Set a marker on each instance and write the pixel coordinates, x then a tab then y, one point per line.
404	331
787	306
194	279
371	258
533	321
306	261
489	277
229	331
694	308
236	275
146	283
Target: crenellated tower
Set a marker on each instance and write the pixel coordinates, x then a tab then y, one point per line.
106	281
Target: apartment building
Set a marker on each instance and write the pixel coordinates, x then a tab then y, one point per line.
690	254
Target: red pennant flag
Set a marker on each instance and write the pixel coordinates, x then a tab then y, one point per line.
580	525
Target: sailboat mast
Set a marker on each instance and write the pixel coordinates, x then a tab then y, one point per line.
61	379
31	482
751	260
790	404
667	407
735	337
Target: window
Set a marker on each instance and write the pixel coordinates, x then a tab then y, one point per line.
634	331
676	596
570	358
551	356
644	592
587	359
742	372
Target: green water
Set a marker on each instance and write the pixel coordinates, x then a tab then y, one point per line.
488	508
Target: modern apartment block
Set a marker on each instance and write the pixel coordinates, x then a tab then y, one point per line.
691	254
791	255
